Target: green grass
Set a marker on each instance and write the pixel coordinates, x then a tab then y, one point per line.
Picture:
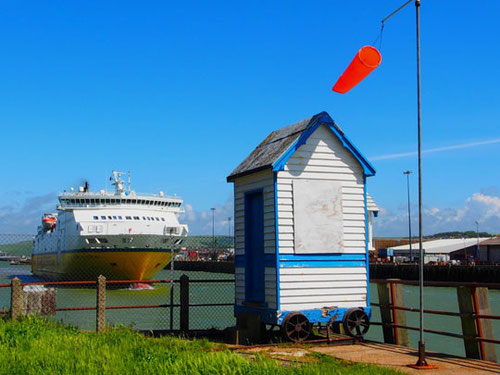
38	346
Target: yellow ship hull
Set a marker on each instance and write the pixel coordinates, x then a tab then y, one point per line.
88	264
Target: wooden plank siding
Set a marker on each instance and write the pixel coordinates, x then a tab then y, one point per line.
317	287
261	180
323	157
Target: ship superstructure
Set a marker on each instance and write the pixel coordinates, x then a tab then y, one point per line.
120	234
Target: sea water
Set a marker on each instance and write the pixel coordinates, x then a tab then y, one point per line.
206	317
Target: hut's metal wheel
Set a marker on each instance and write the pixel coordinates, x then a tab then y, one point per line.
296	327
356	322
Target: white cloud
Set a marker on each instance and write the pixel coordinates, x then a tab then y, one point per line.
480	207
437	149
200	222
483	207
25	217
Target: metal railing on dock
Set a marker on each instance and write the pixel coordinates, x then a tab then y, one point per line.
475	315
177	308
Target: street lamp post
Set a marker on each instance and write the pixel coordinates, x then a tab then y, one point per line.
229	226
477	233
213	228
407	173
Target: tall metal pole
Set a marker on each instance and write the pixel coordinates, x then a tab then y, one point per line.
477	232
421	343
213	228
421	363
407	173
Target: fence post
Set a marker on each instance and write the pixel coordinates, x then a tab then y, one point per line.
184	310
389	295
484	326
16	299
465	297
101	304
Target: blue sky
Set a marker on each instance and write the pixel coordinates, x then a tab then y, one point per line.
180	93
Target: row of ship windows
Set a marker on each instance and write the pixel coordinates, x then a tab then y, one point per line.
130	218
120	201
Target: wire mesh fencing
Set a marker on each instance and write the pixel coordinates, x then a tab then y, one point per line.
58	277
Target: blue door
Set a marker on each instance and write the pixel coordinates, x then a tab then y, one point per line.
254	248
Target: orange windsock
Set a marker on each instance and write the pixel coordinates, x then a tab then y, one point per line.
367	59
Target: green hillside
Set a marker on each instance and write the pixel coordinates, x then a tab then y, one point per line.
18	248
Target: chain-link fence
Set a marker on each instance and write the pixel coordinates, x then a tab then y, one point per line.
143	289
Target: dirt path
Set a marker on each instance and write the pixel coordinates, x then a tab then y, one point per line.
398	357
391	356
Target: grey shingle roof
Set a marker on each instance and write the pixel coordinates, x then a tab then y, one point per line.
276	143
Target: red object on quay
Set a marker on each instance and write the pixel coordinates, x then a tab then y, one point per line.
365	61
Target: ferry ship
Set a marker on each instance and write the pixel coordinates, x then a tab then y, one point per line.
121	235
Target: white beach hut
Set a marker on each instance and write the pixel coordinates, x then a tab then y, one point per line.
301	229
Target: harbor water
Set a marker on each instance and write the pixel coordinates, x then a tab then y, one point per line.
220	317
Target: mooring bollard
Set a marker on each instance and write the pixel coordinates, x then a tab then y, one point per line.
485	326
390	295
101	304
471	302
16	299
184	310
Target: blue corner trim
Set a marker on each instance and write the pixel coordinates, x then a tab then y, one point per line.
276	237
267	315
323	118
367	244
269	260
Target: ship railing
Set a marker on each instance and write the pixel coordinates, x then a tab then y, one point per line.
474	313
112	194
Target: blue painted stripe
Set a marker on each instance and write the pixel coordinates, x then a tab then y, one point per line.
323	263
318	315
272	316
318	257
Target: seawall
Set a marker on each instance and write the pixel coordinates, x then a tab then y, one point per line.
479	273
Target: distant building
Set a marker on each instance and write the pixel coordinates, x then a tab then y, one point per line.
489	250
444	250
373	211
